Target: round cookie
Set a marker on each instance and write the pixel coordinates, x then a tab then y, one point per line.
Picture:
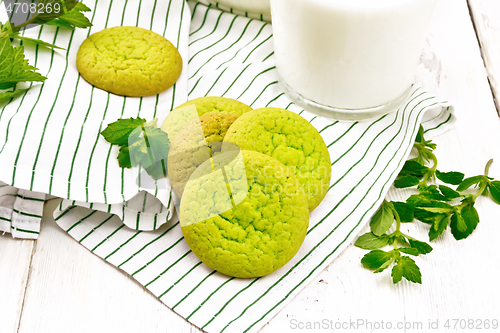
178	117
129	61
290	139
194	144
253	231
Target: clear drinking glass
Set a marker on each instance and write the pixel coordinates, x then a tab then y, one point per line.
349	59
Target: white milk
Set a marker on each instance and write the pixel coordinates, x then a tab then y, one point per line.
250	6
349	54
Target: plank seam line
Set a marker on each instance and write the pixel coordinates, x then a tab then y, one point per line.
27	283
471	15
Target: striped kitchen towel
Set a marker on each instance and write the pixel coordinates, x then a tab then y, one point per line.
49	136
231	55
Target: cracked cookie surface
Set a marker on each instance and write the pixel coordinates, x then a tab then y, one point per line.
194	144
290	139
262	229
129	61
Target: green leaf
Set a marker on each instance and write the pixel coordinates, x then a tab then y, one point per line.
469	217
382	220
427	194
407	268
420	135
37	41
5	96
404	210
439	225
370	241
124	157
75	19
413	168
72	18
118	132
385	265
158	170
494	188
421	247
449	193
15	67
376	258
468	182
453	177
409	250
406	181
427	216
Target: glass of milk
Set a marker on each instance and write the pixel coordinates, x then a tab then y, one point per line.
349	59
259	9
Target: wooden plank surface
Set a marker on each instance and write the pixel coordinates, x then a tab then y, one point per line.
15	259
486	18
71	290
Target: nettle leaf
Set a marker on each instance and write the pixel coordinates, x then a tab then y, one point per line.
468	182
15	67
432	192
453	177
406	181
421	247
5	96
449	193
407	268
413	168
383	218
370	241
405	211
439	225
494	188
376	258
420	134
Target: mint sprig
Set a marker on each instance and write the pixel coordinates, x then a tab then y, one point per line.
141	143
439	206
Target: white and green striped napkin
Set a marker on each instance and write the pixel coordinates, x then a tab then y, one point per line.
226	55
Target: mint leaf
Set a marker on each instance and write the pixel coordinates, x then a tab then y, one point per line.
406	181
449	193
376	258
453	177
468	217
118	132
421	247
409	250
124	157
382	220
468	182
407	268
15	67
404	210
413	168
439	225
370	241
494	188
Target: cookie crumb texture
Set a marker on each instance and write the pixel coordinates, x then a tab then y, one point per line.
194	144
129	61
290	139
258	235
198	107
